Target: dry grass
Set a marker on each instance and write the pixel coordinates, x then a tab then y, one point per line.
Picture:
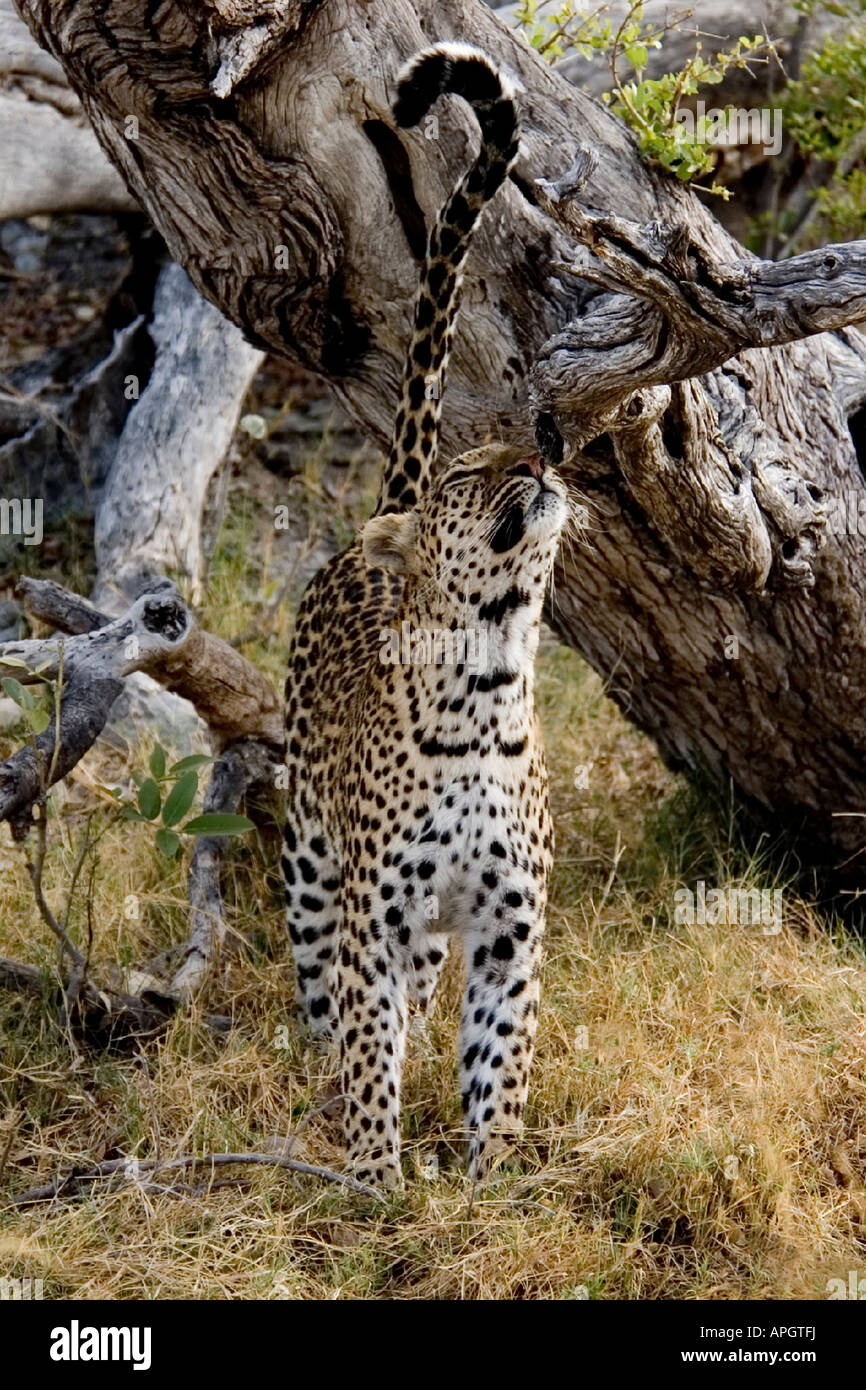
696	1128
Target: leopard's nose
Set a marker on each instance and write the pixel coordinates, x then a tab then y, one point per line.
531	467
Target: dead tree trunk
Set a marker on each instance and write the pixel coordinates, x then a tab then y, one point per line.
664	362
148	522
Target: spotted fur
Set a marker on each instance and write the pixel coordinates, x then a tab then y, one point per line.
417	790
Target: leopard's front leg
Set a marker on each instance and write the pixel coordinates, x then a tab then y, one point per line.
371	991
500	1016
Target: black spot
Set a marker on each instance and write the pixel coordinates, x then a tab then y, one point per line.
495	610
308	873
459	214
432	748
512	749
422	353
494	681
509	531
419	90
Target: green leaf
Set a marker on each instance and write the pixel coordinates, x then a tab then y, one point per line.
180	798
19	693
149	799
217	823
157	762
130	813
194	760
38	719
168	842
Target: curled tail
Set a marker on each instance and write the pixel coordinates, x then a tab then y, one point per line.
467	72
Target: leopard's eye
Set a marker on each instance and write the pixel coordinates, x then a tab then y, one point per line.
463	476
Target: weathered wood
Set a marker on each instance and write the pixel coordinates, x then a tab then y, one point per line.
241	767
49	158
84	711
159	636
104	1018
60	607
732	514
267	157
149	512
175	437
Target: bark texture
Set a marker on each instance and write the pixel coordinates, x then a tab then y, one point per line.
266	155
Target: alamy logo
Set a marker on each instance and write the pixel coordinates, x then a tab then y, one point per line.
846	513
744	907
418	646
854	1289
77	1343
22	516
20	1289
733	125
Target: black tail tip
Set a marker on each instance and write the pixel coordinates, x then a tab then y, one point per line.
450	67
418	90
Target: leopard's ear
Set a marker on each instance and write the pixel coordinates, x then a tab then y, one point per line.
388	542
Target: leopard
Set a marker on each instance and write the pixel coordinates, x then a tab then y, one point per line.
417	787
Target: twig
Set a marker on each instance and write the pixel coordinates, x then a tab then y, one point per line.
154	1118
131	1168
35	868
14	1122
619	851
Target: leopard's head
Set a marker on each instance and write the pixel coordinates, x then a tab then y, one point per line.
482	539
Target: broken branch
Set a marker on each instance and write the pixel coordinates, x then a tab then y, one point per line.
132	1168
